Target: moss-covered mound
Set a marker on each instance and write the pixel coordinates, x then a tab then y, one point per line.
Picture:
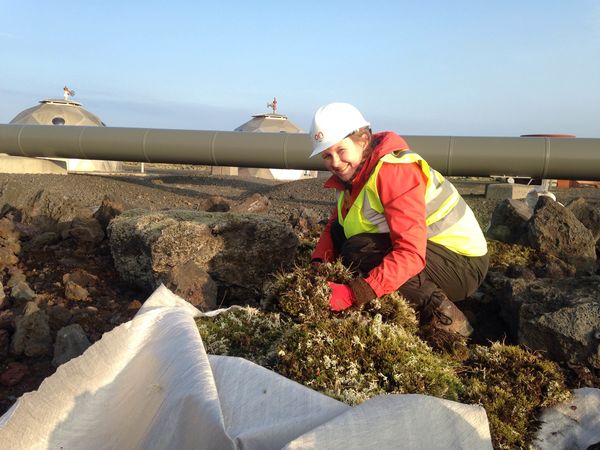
512	385
356	354
353	359
351	356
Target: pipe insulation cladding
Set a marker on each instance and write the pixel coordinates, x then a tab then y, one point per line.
535	157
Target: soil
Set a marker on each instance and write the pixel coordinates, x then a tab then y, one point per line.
112	302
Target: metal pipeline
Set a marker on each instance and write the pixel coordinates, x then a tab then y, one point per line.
535	157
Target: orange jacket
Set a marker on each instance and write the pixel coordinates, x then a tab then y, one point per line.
402	192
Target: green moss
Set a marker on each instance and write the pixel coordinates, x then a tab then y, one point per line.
355	358
512	385
503	255
303	294
379	349
307	240
351	355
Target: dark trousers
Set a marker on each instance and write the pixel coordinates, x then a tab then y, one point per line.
446	273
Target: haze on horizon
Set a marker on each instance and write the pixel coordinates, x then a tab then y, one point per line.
467	68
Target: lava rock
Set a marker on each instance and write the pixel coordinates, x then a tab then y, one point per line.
4	344
561	318
256	203
509	221
80	277
32	334
588	214
41	240
237	250
554	230
71	341
75	292
108	210
21	292
192	283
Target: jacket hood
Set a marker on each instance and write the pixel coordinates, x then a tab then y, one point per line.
385	142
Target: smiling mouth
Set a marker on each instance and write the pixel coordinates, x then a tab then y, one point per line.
342	170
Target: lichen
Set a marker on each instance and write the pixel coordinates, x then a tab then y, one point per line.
246	332
354	358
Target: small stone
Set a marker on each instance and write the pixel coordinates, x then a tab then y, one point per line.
134	305
75	292
58	317
32	333
21	292
7	319
4	303
71	341
7	258
80	277
41	240
16	277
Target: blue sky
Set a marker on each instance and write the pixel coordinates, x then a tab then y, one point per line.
496	68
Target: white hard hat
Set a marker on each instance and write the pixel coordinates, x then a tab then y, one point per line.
332	123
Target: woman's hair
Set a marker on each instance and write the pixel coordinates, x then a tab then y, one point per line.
359	134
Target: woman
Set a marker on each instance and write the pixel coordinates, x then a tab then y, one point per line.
399	224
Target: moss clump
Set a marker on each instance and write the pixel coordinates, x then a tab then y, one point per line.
512	385
503	255
303	294
451	344
307	240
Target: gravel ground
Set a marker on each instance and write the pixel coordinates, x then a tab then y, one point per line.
169	187
162	187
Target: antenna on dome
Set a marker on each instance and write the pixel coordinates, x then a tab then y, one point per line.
68	93
273	105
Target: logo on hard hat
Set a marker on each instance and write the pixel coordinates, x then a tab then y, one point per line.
319	136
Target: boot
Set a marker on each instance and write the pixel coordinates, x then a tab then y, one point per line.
449	318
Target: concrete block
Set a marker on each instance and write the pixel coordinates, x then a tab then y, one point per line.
222	170
21	164
501	191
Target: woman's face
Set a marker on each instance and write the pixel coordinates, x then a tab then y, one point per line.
344	158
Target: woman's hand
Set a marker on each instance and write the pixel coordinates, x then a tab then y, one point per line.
341	297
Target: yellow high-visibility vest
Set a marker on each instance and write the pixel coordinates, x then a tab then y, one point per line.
450	222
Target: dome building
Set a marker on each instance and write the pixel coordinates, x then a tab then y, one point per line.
273	123
67	112
57	112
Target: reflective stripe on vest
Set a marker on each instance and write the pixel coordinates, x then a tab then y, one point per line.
450	222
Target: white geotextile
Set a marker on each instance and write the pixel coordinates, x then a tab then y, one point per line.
148	384
574	424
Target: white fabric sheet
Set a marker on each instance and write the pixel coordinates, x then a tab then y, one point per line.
571	425
148	384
